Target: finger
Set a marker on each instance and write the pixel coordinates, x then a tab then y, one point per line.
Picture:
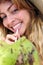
17	34
3	39
11	38
8	41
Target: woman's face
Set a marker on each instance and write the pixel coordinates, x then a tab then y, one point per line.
13	18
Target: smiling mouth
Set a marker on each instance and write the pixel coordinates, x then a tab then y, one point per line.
17	26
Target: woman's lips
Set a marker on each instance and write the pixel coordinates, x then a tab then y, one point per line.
17	26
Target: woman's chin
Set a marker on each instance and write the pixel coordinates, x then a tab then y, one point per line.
21	32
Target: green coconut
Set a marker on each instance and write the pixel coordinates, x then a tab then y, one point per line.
22	52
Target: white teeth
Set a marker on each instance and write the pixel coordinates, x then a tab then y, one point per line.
16	26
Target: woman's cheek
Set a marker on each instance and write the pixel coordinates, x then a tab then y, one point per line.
24	16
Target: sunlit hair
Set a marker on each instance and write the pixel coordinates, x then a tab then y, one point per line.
3	31
35	29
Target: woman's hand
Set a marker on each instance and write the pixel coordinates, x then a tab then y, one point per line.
10	38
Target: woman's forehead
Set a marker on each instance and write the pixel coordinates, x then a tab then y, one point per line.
4	6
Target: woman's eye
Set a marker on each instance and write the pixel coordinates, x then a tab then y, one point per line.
15	10
4	17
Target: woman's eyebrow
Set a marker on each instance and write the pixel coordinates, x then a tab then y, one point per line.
2	14
9	7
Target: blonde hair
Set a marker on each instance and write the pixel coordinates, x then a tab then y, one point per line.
3	31
36	36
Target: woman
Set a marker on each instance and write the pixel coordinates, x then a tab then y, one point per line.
22	18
